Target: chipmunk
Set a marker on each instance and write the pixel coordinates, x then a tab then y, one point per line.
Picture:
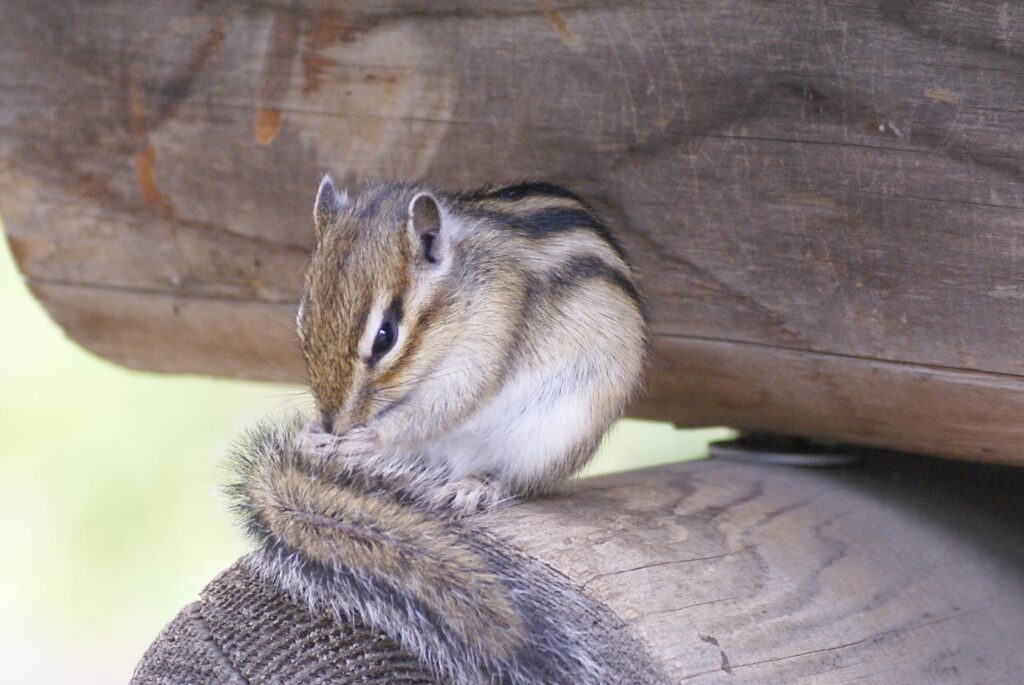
494	335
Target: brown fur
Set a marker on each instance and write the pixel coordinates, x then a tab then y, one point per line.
401	544
528	288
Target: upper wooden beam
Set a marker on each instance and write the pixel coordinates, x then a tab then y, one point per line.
826	197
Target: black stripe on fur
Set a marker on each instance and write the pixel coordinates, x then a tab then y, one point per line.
518	191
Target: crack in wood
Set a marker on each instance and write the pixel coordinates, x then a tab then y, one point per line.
883	635
814	353
155	292
659	564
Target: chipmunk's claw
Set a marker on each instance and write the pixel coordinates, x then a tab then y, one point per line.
473	495
357	442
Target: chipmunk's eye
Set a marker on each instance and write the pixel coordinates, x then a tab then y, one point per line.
384	340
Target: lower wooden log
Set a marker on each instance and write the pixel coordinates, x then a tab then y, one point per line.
900	571
904	571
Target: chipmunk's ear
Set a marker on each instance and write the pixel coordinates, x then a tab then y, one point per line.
427	223
328	205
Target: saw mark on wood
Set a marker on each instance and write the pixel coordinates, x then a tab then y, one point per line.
266	125
942	95
556	20
177	88
172	91
145	167
328	27
276	72
136	110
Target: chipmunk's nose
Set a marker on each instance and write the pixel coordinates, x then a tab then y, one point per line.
327	419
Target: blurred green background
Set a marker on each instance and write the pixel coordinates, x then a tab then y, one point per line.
109	493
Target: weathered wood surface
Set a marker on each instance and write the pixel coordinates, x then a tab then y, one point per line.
825	202
905	571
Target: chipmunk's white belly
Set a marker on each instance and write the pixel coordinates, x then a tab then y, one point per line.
527	430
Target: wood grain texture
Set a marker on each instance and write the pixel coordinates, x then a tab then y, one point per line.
885	404
802	187
904	571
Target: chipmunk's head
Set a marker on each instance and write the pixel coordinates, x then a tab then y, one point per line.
364	319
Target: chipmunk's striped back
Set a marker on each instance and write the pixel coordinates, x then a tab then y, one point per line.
540	211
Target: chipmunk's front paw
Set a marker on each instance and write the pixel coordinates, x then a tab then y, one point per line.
473	495
357	442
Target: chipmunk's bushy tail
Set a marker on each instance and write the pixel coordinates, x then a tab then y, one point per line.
357	540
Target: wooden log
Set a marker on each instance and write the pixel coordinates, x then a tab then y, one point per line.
827	196
901	572
904	571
